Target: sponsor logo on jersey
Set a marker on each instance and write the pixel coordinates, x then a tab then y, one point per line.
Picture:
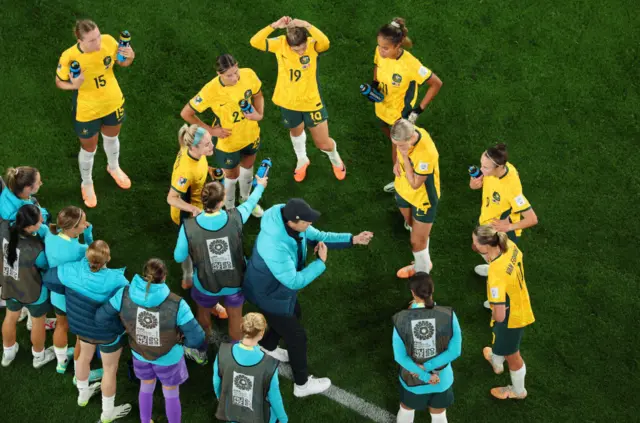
107	62
396	79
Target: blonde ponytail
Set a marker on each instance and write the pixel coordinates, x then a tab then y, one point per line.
253	324
488	236
187	135
98	254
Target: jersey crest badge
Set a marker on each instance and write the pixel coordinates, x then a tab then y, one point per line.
107	62
248	94
304	60
396	79
495	198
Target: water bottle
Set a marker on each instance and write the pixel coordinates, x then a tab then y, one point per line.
368	91
218	175
246	107
263	170
74	69
125	40
474	172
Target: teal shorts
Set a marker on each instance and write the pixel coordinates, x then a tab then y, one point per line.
35	310
292	119
506	341
421	215
108	348
89	129
424	401
59	312
227	160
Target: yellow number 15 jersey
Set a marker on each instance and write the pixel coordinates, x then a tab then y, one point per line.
99	95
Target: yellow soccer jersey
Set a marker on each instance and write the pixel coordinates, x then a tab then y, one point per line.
506	285
424	161
502	197
399	80
188	178
297	85
224	102
99	95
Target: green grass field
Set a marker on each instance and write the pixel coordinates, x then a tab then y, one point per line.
557	81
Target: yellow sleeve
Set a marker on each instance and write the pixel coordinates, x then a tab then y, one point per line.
202	100
322	41
422	73
181	180
517	200
260	40
496	286
256	84
425	165
376	57
62	71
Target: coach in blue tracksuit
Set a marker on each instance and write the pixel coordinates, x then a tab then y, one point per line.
276	272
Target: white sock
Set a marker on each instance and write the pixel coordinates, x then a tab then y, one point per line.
405	416
517	379
37	355
334	157
246	178
187	268
85	162
230	187
497	360
108	404
112	149
422	261
300	147
61	354
439	418
10	352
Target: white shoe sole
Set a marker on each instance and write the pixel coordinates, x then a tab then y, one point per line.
49	356
6	363
390	187
118	413
94	388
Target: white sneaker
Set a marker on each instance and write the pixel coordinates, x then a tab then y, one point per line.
482	270
7	359
24	313
313	386
407	227
279	354
390	187
93	389
49	323
117	413
49	355
487	305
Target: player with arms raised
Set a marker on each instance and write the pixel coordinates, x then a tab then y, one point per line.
98	100
297	91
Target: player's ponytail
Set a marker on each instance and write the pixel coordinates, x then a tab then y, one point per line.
422	285
486	235
396	32
212	196
82	27
402	130
253	324
69	218
155	271
225	62
98	254
498	154
27	215
187	134
18	178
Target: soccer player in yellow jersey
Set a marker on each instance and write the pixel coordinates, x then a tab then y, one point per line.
417	187
297	91
98	101
504	206
510	307
237	132
398	75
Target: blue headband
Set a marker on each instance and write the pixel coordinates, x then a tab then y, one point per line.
199	134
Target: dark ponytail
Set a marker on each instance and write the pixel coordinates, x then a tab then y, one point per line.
28	215
155	271
396	32
421	285
498	154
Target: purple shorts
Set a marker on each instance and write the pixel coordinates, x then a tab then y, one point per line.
208	301
173	375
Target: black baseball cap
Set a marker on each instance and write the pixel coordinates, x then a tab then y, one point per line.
298	209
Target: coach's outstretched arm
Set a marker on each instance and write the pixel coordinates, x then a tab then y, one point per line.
335	240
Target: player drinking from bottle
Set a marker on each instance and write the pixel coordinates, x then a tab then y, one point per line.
397	75
417	187
297	91
504	206
237	131
98	103
510	307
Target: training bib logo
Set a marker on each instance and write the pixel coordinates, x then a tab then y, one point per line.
424	338
242	393
396	79
148	328
107	62
11	271
219	254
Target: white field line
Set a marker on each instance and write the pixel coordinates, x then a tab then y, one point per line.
347	399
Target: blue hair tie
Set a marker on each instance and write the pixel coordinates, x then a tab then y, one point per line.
199	134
